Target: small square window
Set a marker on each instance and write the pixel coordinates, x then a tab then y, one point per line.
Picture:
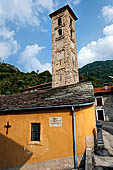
35	131
99	101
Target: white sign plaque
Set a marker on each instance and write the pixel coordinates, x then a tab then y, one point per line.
55	122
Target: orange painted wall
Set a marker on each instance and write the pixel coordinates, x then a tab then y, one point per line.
85	126
16	148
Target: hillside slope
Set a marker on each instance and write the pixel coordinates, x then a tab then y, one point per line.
100	70
12	80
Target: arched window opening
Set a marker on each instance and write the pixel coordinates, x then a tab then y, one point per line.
59	21
70	22
71	33
60	32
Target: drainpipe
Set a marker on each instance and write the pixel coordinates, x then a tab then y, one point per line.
74	138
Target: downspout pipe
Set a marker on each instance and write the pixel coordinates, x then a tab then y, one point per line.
74	138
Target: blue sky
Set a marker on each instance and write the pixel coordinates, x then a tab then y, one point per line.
26	37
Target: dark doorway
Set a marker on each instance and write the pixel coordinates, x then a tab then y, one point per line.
100	114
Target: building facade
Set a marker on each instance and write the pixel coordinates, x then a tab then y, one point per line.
37	129
64	52
104	103
50	128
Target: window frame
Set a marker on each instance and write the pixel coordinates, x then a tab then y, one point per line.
59	23
30	142
97	113
33	132
71	22
96	101
71	33
60	31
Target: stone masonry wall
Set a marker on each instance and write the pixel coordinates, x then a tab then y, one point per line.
107	106
64	53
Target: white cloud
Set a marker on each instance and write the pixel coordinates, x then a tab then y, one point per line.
108	30
73	2
25	12
20	13
6	34
76	2
107	13
99	50
102	49
46	4
29	59
8	45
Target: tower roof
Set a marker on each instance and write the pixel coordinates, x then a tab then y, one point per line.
61	10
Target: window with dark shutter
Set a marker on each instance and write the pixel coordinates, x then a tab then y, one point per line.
71	33
60	32
59	21
99	101
70	22
35	131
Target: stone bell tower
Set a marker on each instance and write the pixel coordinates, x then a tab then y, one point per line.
64	52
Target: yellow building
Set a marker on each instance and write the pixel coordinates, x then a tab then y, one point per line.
50	129
47	129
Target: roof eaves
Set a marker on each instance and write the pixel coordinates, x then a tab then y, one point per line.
62	9
47	107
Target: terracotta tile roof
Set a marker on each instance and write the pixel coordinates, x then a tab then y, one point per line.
104	89
65	95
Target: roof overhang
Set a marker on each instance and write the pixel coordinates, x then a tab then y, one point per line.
47	107
63	9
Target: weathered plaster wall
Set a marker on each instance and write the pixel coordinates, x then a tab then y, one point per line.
16	148
85	128
56	142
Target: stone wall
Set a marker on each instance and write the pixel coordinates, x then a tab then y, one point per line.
64	53
107	106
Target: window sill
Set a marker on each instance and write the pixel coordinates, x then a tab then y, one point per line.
60	37
60	26
35	143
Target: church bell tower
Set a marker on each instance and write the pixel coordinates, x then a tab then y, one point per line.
64	52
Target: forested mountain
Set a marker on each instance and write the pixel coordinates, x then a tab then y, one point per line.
12	80
98	72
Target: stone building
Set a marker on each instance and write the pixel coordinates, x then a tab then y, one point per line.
104	103
64	52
